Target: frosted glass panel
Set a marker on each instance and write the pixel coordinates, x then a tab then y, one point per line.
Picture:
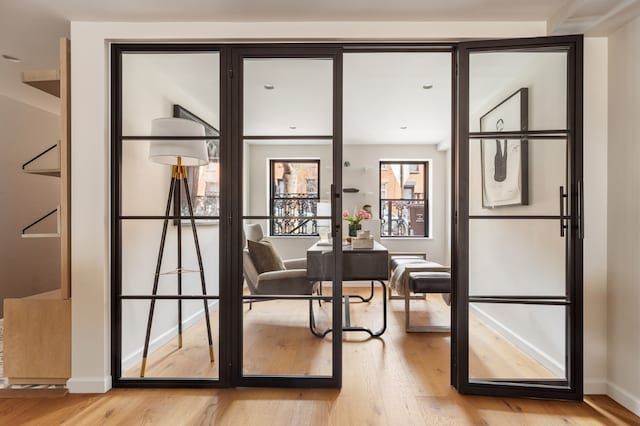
516	178
516	258
516	341
495	76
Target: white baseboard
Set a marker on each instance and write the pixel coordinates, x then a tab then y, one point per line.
89	384
595	386
135	357
553	365
624	398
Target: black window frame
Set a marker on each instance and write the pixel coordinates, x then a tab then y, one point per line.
272	198
383	165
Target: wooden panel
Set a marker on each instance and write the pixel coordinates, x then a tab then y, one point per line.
47	81
33	393
37	339
53	294
65	168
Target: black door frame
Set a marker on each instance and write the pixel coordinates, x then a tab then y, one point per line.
230	373
236	72
572	387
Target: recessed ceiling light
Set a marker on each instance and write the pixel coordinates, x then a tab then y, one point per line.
403	127
269	86
427	86
11	58
292	127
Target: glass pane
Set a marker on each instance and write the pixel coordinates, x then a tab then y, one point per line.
183	335
165	358
277	336
286	185
175	85
515	177
516	257
297	188
404	199
514	341
140	244
153	83
397	109
288	97
496	101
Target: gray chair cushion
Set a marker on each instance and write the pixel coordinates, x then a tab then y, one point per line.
289	282
264	256
430	282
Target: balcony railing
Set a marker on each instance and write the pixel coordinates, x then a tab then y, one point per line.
291	212
404	218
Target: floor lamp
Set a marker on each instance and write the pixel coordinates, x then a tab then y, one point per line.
178	153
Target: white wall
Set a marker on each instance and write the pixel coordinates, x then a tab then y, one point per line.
595	194
90	188
623	238
362	174
27	265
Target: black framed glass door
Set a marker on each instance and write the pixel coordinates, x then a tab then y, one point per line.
170	302
519	230
286	140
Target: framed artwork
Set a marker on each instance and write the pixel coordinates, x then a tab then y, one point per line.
204	181
505	161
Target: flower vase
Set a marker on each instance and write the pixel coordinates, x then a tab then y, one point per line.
353	229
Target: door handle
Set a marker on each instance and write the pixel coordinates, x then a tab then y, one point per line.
563	225
335	225
580	210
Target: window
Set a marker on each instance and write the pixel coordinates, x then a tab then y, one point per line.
294	196
404	198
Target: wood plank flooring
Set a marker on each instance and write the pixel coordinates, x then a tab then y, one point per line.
401	379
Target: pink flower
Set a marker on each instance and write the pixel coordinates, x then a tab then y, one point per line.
357	218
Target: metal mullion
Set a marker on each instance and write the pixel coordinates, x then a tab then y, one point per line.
285	217
514	217
518	301
167	297
288	137
116	209
156	217
168	138
521	134
286	297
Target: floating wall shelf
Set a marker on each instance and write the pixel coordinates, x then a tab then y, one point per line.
47	81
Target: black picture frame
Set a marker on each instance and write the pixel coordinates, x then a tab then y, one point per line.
207	206
504	188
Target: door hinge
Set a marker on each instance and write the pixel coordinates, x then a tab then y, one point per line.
230	73
229	220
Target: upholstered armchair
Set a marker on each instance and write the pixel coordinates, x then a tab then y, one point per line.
289	279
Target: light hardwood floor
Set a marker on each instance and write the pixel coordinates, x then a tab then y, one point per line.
401	379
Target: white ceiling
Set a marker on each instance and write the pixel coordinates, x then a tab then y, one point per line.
29	29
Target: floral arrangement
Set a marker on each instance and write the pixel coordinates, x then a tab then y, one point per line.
356	218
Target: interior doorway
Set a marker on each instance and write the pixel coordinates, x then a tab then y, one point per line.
300	140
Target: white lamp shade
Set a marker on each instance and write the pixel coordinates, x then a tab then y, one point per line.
192	152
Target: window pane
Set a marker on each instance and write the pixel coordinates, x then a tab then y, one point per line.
294	197
404	198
